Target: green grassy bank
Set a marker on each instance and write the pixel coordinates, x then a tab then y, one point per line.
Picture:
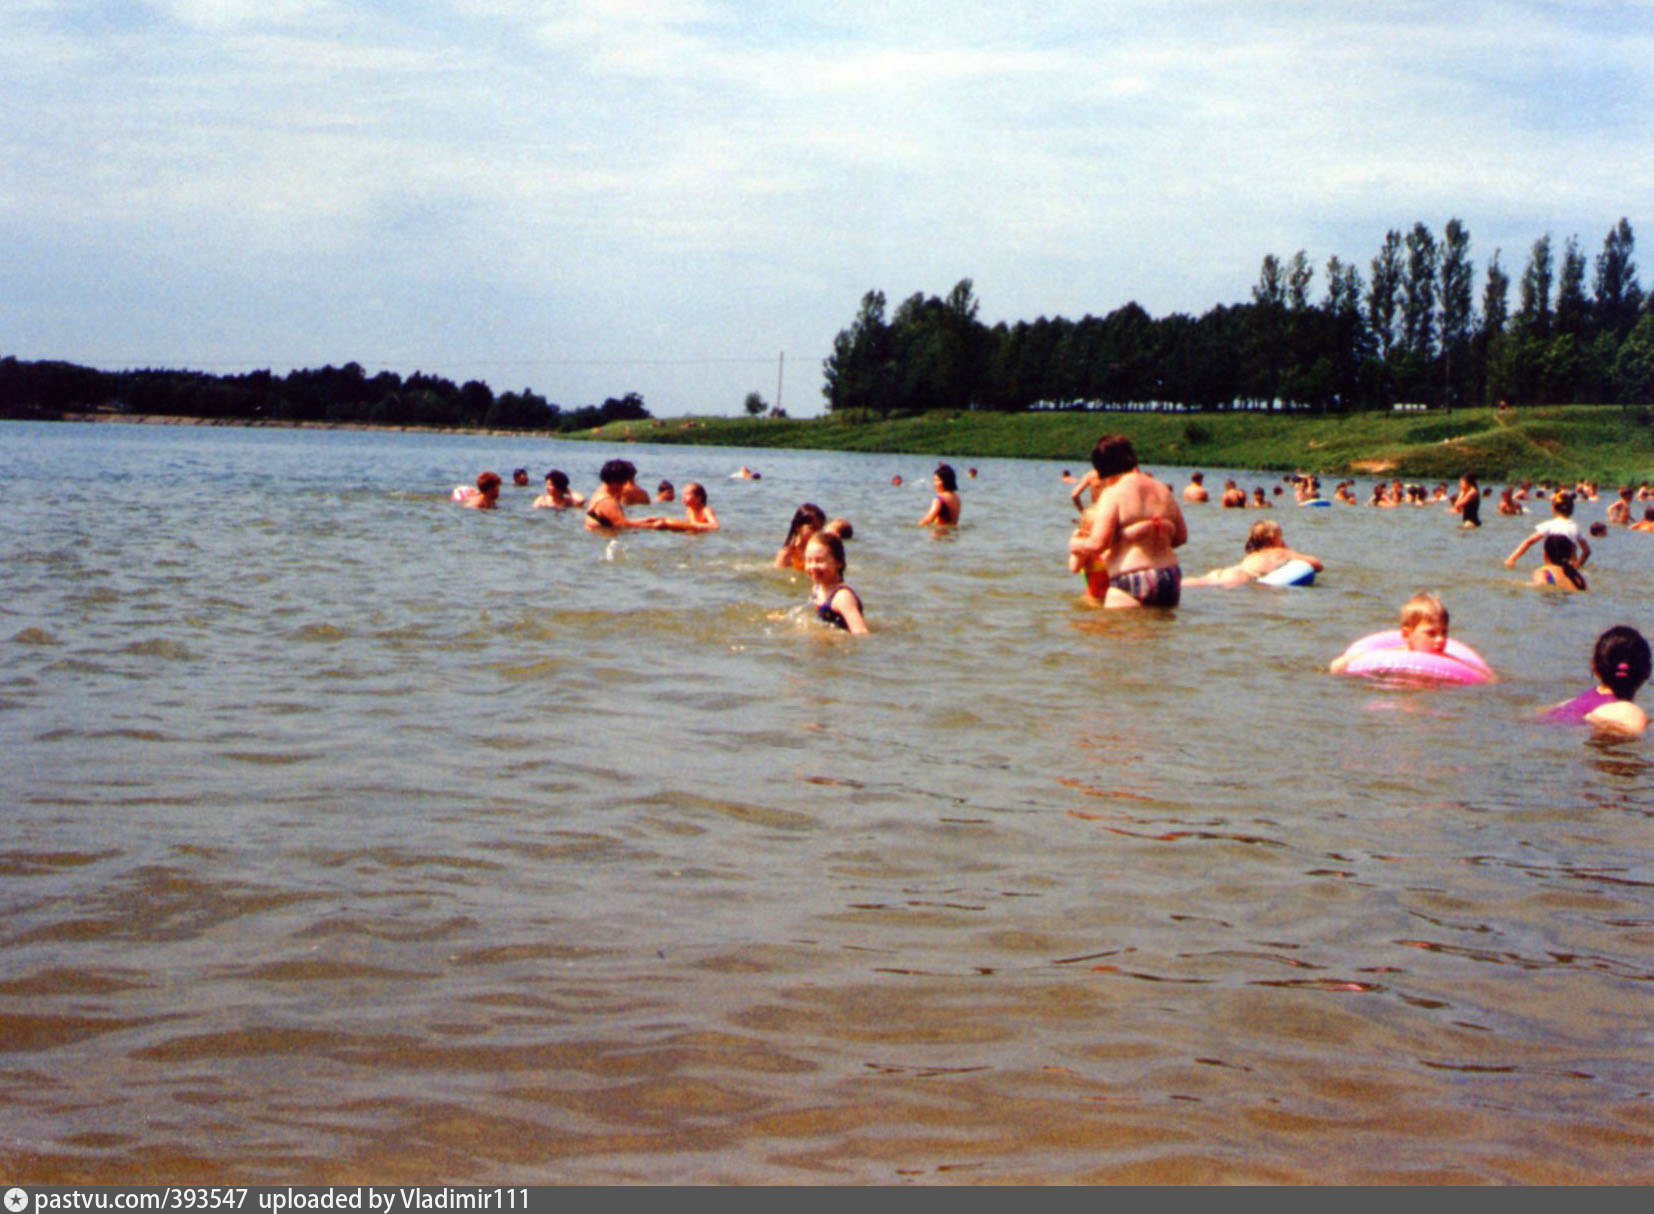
1602	442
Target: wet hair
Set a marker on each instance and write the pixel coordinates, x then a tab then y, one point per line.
558	480
1563	503
1469	478
944	473
833	545
840	527
664	487
694	487
1621	660
1423	607
1113	455
808	515
1266	533
1599	528
520	476
1197	477
488	481
1560	550
618	472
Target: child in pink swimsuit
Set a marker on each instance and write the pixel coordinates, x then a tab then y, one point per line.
1621	663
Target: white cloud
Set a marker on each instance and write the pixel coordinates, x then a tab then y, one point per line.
594	174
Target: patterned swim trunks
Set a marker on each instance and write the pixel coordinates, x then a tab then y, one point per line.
1151	587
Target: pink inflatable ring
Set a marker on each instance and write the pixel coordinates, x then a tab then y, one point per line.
1385	655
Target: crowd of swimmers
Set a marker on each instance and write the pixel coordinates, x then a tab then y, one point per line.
1125	545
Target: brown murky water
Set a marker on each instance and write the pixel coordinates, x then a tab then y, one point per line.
350	836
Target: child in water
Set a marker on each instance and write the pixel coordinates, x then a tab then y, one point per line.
1559	569
486	496
1620	663
1423	630
835	603
807	520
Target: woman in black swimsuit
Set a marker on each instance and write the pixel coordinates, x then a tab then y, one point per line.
1469	501
605	512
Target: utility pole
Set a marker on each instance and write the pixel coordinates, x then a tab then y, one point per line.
780	371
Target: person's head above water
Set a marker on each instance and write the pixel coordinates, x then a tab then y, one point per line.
945	477
618	472
1424	622
1265	534
825	542
1113	455
808	517
1621	660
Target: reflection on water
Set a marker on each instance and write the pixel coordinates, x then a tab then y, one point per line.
353	836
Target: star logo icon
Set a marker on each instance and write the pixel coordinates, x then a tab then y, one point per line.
16	1201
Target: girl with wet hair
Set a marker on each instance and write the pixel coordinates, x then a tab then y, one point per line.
807	520
1560	568
1620	661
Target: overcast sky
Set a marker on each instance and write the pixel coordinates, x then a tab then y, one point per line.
602	196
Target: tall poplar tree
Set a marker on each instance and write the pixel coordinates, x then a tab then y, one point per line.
1455	273
1418	305
1571	306
1614	288
1534	295
1383	292
1495	299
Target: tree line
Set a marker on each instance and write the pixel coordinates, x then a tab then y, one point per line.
328	394
1412	329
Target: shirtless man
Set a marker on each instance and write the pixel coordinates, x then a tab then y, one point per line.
1127	543
1195	490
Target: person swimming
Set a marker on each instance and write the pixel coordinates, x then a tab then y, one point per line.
698	515
558	495
834	602
807	520
1560	569
1266	551
606	508
486	496
1620	662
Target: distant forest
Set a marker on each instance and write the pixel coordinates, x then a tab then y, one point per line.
331	394
1410	330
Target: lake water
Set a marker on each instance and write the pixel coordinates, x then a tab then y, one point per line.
353	836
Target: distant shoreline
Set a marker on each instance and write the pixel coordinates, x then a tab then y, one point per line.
1610	444
271	423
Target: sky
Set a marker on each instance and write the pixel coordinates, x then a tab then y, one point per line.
688	198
